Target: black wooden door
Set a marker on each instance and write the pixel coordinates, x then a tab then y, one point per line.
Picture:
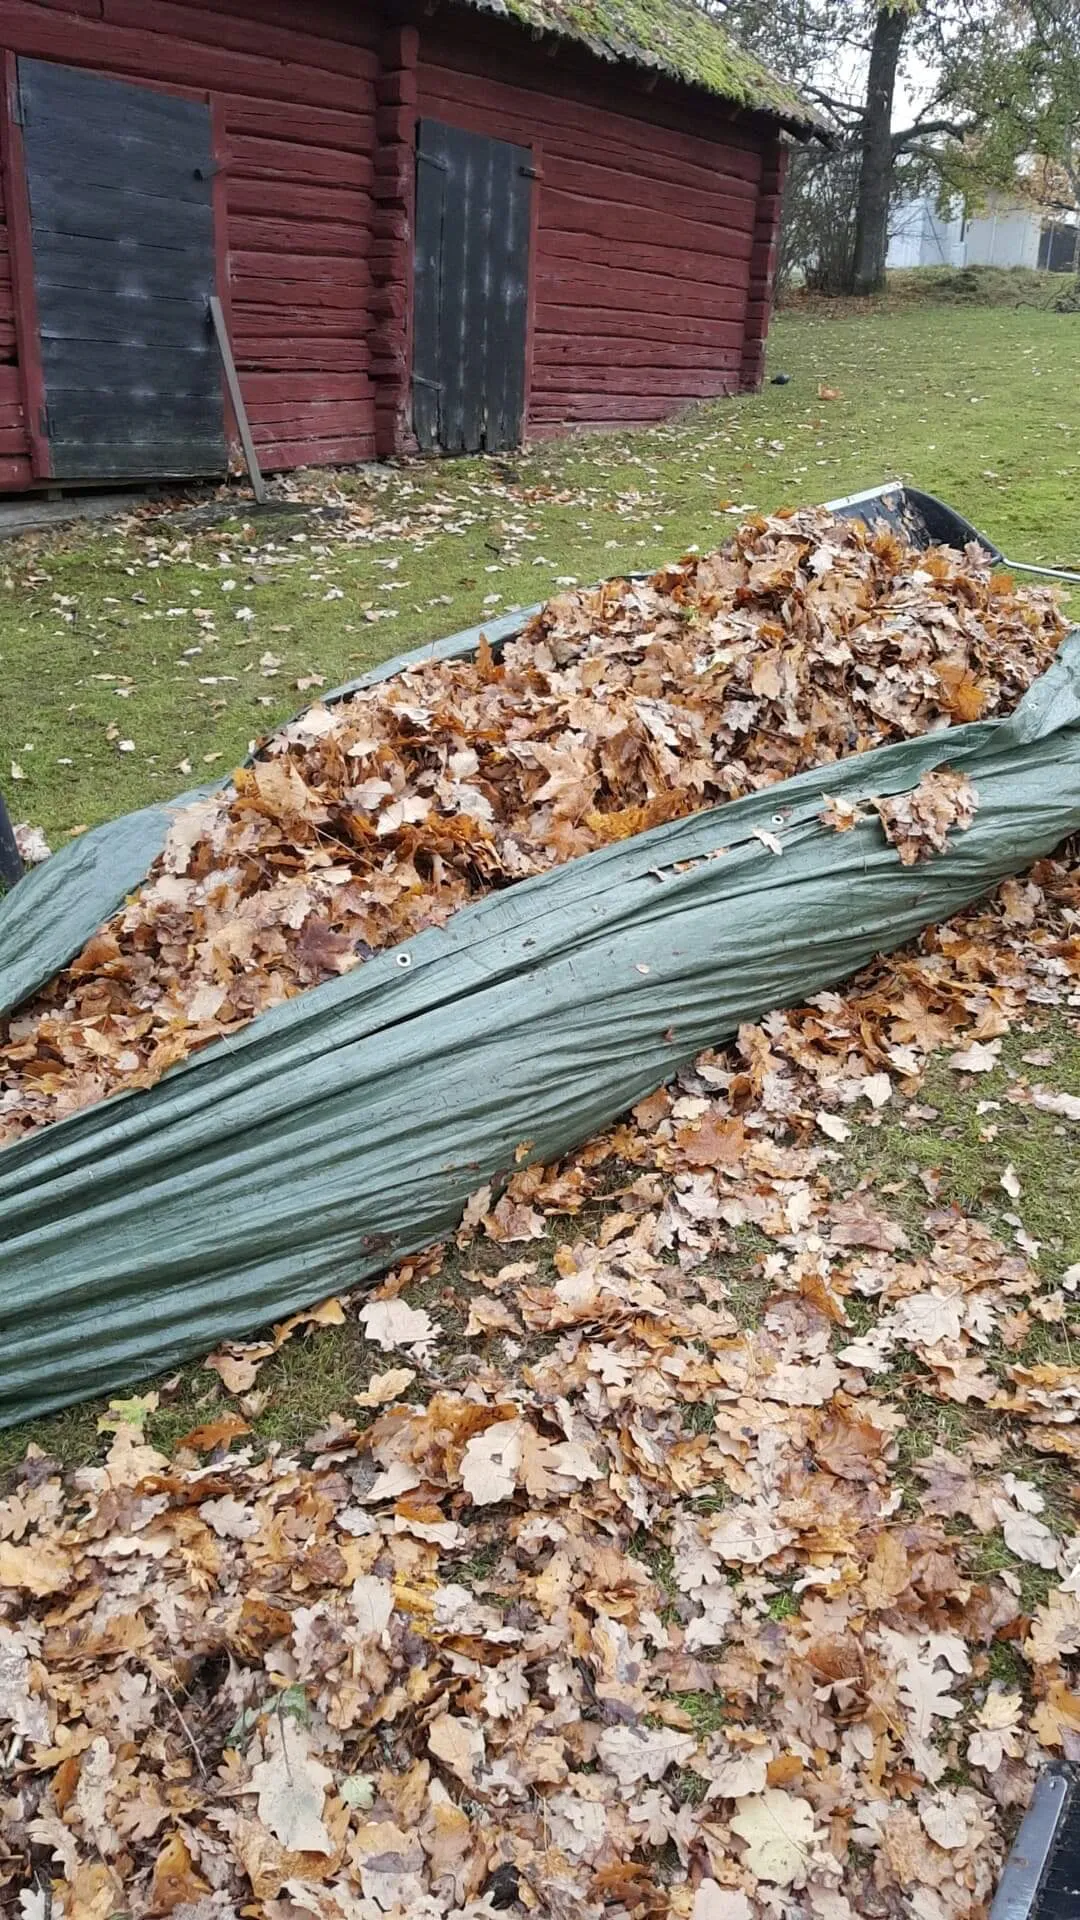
119	180
473	205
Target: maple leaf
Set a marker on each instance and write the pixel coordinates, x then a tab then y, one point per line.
778	1829
965	696
132	1413
291	1787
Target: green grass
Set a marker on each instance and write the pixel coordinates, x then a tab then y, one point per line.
96	627
314	1375
964	1152
706	1712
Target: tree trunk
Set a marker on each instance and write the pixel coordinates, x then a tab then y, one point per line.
876	159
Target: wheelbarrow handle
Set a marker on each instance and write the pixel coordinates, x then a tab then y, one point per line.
1045	573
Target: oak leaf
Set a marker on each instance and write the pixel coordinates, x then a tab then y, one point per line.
393	1323
491	1461
459	1744
291	1786
778	1829
643	1753
174	1880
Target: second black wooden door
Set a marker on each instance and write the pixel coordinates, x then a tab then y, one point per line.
473	206
122	227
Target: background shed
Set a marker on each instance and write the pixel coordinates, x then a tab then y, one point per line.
453	228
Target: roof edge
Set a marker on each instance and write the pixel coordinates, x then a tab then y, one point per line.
673	38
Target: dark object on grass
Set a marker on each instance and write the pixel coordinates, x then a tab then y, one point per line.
1041	1880
780	380
10	858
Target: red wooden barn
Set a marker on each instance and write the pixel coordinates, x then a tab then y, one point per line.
448	224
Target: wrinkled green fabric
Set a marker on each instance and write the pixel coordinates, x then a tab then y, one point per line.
348	1127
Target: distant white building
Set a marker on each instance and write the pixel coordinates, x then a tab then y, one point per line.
1008	233
919	236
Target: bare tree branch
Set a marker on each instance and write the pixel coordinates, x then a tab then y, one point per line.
905	138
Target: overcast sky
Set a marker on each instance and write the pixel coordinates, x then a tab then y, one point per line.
913	86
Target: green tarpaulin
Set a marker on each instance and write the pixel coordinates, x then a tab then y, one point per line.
349	1126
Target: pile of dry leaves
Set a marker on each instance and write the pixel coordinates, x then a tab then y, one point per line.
681	1580
803	640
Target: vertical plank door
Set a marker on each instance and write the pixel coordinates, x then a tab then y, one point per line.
119	180
471	287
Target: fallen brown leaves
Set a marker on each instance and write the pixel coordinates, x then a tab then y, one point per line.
668	1610
802	641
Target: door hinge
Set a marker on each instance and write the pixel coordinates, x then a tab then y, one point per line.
44	423
531	173
18	108
430	160
422	380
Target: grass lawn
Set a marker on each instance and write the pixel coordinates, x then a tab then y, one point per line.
188	641
129	655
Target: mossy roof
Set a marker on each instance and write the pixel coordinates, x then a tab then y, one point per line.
675	37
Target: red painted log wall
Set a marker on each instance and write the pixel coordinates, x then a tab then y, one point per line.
653	237
292	89
647	216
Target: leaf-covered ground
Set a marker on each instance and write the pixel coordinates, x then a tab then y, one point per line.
695	1537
